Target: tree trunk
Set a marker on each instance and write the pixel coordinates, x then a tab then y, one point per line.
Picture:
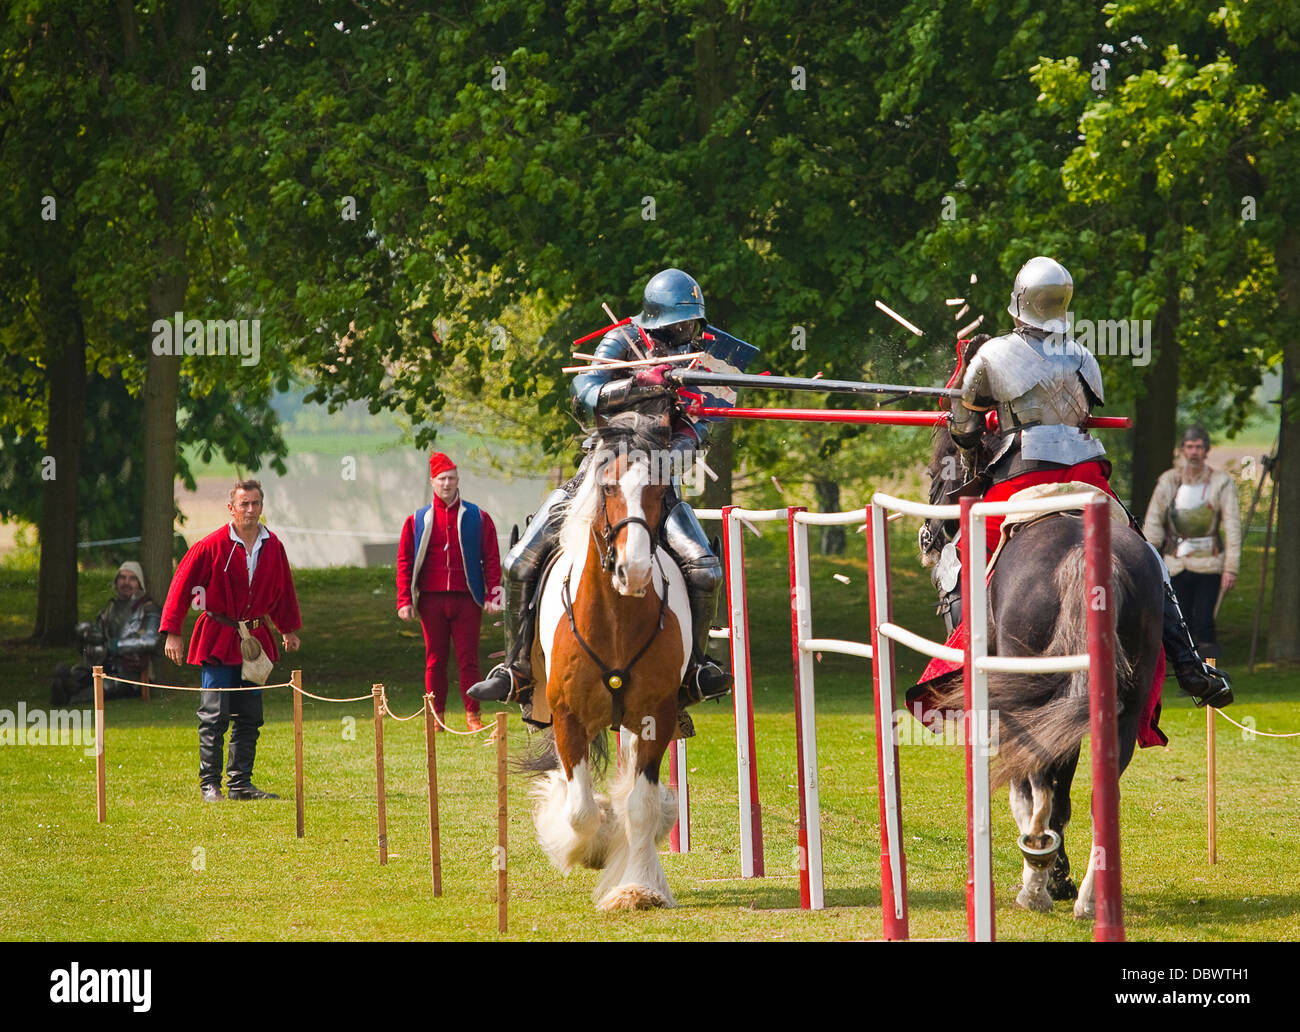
161	387
166	297
715	78
1284	620
1155	421
720	457
828	500
65	360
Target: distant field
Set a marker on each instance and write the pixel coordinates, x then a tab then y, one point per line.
167	866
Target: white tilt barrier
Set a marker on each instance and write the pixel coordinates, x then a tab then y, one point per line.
811	884
884	633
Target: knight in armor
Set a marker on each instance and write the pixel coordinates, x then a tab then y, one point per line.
1035	388
673	318
1194	520
123	639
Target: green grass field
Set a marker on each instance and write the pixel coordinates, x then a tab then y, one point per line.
166	866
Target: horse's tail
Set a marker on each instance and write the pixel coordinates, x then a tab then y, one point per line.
542	758
1039	719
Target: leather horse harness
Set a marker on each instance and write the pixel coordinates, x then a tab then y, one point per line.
616	679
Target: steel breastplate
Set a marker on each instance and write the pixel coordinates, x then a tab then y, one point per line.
1191	514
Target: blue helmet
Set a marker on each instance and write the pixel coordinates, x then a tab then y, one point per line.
671	297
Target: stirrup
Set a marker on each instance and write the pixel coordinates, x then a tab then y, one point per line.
500	685
700	688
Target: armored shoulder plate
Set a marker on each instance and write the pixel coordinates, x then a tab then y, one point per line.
1091	373
1004	368
585	389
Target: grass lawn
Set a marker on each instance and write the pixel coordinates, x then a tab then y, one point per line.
166	866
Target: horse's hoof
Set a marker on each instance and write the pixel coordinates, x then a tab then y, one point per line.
1039	902
1084	910
1060	886
632	897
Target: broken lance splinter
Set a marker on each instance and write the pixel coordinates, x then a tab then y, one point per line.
804	383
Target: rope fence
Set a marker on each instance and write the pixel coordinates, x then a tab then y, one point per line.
1252	731
379	697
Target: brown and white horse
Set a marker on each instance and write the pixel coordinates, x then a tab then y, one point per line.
613	641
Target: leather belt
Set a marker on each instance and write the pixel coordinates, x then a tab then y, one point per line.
228	622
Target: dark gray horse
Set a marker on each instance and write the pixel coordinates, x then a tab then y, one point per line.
1037	607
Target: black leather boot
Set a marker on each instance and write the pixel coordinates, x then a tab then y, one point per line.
705	679
1205	684
210	748
512	680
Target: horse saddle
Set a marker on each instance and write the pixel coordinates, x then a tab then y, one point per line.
1018	521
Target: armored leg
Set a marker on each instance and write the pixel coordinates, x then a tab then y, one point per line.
510	679
950	609
689	545
1206	685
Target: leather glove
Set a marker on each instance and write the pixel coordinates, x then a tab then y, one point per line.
653	377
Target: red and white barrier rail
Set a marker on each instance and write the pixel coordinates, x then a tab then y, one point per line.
811	886
734	520
1099	661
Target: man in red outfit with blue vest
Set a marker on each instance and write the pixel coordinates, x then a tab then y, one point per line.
449	572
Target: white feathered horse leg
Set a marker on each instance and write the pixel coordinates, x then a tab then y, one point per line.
568	815
644	813
1085	906
1031	804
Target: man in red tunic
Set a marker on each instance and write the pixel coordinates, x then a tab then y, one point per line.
449	571
238	574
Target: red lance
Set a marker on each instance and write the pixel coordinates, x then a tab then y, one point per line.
697	408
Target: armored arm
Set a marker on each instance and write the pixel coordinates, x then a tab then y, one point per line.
599	392
142	633
968	412
976	399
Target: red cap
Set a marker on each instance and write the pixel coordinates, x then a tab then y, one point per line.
439	463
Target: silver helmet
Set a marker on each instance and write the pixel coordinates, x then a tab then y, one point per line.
1041	295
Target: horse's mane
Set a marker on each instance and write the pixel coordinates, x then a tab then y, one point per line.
646	430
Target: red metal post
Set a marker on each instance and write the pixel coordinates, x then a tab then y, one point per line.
675	835
1109	925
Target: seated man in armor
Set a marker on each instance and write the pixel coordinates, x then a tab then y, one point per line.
673	318
1042	386
123	640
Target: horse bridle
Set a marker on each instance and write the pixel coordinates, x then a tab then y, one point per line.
611	534
616	679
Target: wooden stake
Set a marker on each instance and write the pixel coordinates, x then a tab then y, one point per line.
503	888
377	690
435	833
101	796
1211	781
296	679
